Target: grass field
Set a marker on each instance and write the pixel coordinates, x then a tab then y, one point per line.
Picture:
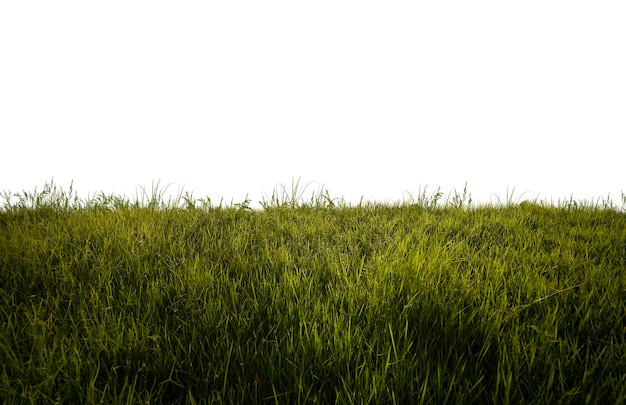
310	301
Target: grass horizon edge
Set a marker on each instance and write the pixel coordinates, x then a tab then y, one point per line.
54	196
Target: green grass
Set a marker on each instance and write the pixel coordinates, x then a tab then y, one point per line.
318	301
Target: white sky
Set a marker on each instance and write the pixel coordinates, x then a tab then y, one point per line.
372	99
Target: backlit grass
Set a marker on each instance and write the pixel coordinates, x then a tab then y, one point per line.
310	301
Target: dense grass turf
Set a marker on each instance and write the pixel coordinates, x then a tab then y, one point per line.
108	301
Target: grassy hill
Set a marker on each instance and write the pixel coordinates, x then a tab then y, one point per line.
112	301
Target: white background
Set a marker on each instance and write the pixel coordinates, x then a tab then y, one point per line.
371	99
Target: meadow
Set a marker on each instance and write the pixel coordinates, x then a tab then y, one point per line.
310	300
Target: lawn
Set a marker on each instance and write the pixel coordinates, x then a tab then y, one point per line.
310	301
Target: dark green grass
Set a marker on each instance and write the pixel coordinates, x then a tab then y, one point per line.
108	301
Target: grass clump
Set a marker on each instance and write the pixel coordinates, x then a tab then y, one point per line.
111	301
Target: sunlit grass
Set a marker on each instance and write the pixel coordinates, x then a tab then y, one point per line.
431	300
